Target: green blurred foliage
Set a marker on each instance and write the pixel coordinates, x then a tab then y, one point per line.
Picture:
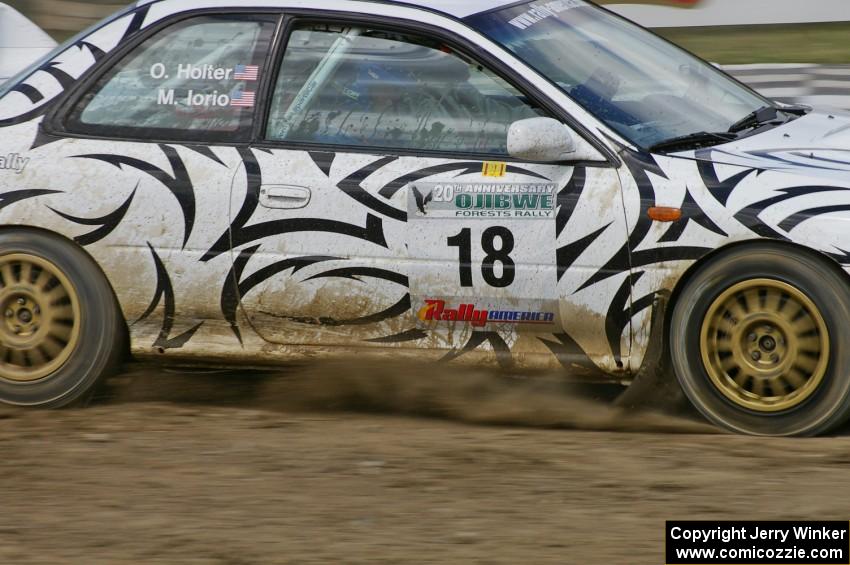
801	43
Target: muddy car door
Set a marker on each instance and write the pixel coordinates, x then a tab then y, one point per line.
503	260
382	207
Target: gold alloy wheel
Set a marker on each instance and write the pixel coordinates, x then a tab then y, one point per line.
40	312
765	345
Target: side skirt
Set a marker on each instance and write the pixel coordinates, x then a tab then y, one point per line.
654	385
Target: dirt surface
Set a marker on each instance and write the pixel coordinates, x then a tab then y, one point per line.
345	465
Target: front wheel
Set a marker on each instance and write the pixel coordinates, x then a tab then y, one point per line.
756	342
60	328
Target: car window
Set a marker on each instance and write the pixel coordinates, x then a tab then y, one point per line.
644	88
192	78
372	88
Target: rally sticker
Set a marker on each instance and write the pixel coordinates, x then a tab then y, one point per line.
544	10
13	162
494	169
434	310
470	200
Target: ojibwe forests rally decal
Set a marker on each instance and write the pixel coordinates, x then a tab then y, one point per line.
483	200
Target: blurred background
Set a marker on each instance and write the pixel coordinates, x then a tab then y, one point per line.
724	31
789	50
786	49
62	18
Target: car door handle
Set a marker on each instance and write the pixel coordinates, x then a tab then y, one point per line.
284	196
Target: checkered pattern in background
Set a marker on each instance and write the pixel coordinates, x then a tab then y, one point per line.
815	85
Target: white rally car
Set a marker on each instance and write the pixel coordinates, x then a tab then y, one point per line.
533	184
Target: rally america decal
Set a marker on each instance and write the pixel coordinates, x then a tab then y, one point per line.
436	310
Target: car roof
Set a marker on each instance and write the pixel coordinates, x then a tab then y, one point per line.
458	9
454	8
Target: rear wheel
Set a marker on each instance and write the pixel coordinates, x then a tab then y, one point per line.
60	329
755	342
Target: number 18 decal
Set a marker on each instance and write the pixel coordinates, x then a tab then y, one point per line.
500	254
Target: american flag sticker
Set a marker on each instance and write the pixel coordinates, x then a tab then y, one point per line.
246	72
243	99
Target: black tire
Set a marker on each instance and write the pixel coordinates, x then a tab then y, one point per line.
826	402
87	310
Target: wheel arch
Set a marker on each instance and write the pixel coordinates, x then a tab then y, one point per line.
689	273
820	278
655	383
57	235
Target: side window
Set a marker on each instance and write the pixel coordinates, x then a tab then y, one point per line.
371	88
192	78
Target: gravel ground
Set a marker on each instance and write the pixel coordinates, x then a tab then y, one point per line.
337	465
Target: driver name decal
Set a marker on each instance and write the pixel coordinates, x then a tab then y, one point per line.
207	72
196	95
215	99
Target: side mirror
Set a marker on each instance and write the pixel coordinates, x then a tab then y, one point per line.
547	140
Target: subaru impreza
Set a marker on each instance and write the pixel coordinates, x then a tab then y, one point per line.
533	185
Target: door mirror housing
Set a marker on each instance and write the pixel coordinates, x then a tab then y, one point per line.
547	140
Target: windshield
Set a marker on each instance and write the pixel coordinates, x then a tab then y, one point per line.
641	86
